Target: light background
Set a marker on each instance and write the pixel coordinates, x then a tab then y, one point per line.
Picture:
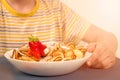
103	13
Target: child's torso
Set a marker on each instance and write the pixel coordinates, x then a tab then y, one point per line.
15	30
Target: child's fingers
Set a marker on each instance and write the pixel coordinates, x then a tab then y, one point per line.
91	47
96	53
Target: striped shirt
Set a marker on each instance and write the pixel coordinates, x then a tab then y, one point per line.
50	20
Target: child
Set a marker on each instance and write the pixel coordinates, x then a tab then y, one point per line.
51	20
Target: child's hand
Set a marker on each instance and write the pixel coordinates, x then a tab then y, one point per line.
102	56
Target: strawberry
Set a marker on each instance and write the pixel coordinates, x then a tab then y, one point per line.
36	47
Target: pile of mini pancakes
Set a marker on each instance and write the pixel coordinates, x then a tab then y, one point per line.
53	53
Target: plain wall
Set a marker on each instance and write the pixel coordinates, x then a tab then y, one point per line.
103	13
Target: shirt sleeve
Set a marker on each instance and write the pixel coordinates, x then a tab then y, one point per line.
74	26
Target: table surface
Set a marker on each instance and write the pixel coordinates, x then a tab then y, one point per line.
9	72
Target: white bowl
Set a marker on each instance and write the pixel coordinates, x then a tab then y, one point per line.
47	68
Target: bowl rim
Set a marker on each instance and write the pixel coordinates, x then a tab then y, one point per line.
8	54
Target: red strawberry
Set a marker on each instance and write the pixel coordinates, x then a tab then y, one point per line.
36	47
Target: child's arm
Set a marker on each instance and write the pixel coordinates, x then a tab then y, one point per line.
103	46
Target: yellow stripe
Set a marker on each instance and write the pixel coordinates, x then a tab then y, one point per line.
4	50
84	30
53	16
71	26
27	35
